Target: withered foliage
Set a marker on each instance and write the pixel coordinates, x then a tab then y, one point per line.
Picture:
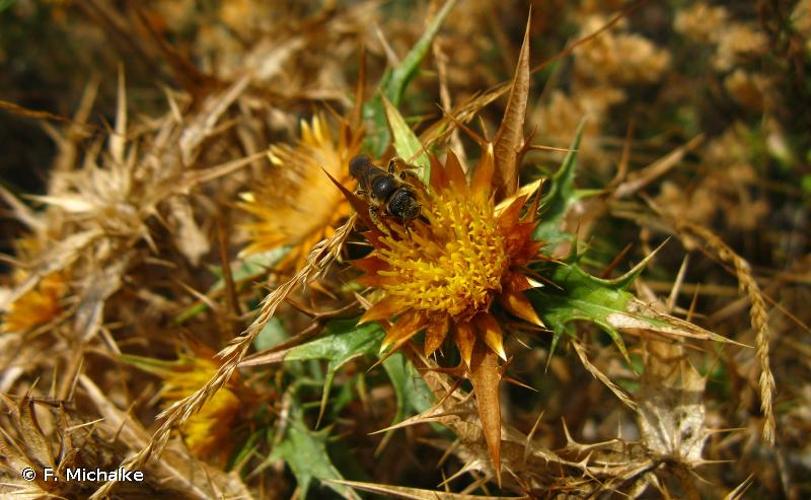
603	294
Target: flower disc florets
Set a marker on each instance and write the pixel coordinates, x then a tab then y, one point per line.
443	271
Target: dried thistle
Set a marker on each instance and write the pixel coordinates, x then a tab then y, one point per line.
294	204
36	307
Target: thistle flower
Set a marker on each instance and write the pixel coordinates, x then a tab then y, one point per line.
453	271
36	307
295	205
208	432
445	273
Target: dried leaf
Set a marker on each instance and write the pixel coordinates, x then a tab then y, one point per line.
671	408
510	135
486	378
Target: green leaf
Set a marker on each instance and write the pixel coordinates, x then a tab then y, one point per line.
806	184
5	4
577	295
343	342
581	296
305	452
158	367
394	82
272	334
413	394
560	197
406	143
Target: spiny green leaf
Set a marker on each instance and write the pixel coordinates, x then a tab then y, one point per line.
394	82
577	295
305	451
402	75
580	296
406	143
343	342
560	197
413	394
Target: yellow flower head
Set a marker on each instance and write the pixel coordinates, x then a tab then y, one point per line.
208	432
444	271
296	204
37	306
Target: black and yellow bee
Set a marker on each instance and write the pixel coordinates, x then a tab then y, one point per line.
388	191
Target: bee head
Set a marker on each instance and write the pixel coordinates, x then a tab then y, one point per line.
403	205
358	165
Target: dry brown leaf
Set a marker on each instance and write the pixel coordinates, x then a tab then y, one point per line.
486	378
671	408
510	136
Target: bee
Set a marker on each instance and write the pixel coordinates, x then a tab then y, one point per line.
387	190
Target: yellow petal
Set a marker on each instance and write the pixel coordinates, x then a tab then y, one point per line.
517	304
456	176
483	175
408	325
491	333
384	309
465	340
435	334
439	178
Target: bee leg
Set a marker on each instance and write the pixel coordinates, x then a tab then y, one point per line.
407	228
374	214
393	164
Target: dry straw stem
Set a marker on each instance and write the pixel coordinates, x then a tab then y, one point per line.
602	377
758	314
321	256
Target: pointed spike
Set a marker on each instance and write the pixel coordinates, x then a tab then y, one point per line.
465	341
517	303
555	340
435	335
486	378
532	433
617	339
568	435
482	182
490	331
384	309
325	395
629	277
